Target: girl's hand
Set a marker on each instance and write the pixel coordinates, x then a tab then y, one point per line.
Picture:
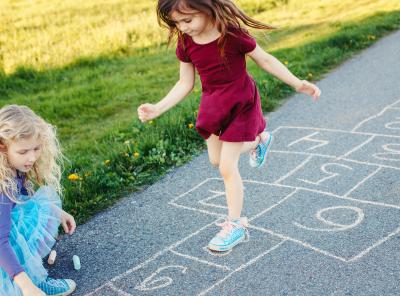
148	111
309	89
68	223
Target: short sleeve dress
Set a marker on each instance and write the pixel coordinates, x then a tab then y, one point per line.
230	105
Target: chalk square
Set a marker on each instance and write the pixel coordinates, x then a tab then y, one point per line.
167	274
346	229
277	165
320	174
387	123
316	141
209	196
257	243
382	187
380	151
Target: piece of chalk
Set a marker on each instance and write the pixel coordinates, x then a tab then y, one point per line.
52	257
77	262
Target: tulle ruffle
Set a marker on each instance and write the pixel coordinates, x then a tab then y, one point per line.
34	228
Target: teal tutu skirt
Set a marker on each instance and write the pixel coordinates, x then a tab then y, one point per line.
34	228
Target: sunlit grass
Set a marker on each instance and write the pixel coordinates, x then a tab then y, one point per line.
45	34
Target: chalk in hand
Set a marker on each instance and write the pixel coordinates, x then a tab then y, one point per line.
52	257
77	262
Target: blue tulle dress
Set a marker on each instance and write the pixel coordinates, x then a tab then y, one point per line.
34	227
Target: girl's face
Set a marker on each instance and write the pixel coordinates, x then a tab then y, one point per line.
22	154
192	22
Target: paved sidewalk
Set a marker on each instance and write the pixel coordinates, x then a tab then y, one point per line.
324	214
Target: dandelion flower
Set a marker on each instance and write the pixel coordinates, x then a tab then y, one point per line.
136	154
107	162
286	62
190	125
73	177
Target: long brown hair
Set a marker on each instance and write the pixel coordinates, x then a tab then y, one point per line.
223	13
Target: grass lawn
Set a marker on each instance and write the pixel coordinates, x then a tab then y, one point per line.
86	66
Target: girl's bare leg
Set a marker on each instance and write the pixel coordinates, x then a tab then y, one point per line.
228	167
214	146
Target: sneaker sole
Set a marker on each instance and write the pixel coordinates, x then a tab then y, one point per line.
73	287
224	249
267	151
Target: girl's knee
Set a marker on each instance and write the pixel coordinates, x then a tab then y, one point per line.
226	169
214	161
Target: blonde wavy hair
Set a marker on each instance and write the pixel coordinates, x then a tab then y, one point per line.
20	122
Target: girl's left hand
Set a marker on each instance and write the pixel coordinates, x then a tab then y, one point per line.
309	89
68	223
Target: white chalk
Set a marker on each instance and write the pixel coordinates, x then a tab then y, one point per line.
77	262
52	257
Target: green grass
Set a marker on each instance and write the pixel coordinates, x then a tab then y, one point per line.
89	84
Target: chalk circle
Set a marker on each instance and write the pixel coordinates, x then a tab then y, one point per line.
337	226
393	125
153	282
392	150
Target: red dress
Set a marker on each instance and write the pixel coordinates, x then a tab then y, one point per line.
230	104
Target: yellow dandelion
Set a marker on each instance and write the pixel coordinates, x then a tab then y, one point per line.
190	125
73	177
286	62
310	75
136	154
107	162
151	122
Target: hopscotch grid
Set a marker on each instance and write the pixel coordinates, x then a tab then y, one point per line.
356	148
299	188
302	164
304	244
240	268
362	182
336	157
376	115
376	244
371	164
119	291
151	259
223	267
205	201
284	238
334	130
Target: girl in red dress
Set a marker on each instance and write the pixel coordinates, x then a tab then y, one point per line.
212	41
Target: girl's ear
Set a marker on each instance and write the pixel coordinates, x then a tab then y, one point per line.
3	147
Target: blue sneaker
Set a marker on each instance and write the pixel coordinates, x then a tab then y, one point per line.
59	287
232	233
258	156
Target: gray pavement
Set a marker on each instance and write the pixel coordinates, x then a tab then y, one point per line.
324	213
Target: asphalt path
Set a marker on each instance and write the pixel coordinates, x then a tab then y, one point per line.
324	213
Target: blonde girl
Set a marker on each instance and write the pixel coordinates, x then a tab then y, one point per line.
29	157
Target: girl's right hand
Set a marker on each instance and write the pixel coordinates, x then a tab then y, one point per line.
148	112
